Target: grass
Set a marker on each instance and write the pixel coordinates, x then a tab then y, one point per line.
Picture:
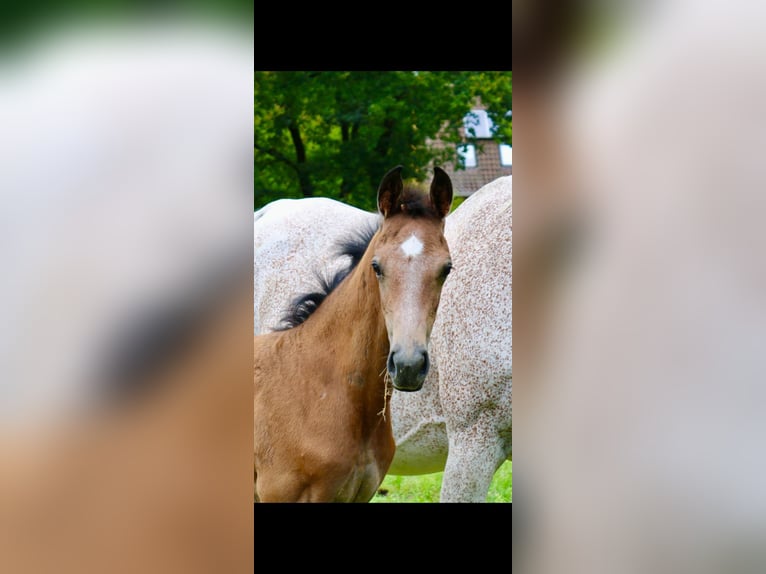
426	487
456	201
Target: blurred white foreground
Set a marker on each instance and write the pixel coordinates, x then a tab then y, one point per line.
125	209
640	439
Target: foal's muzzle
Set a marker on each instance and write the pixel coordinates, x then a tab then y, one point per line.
408	370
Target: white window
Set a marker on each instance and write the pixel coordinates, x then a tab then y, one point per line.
506	155
477	124
467	153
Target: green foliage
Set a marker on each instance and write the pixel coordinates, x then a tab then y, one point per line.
26	23
335	134
426	487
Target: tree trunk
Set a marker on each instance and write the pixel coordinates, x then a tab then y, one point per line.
384	142
304	180
307	187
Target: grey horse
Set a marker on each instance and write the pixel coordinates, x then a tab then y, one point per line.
460	422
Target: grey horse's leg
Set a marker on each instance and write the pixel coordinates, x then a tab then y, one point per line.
475	454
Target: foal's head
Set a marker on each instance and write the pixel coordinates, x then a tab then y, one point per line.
411	259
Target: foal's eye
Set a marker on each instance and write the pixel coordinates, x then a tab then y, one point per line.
446	270
376	268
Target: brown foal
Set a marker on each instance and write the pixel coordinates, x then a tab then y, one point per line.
322	426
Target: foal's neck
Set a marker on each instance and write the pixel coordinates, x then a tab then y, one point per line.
350	323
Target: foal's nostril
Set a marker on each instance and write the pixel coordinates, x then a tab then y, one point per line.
408	369
391	366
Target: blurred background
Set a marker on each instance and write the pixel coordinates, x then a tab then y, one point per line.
126	299
335	134
639	301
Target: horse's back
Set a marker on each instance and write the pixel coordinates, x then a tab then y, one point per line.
477	320
469	386
474	330
293	240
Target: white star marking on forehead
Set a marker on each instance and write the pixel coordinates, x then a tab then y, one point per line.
413	246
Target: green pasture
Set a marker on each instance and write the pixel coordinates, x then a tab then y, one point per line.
426	487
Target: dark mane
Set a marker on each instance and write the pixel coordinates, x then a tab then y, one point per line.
152	334
304	305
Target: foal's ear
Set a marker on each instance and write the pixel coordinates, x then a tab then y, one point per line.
441	192
389	191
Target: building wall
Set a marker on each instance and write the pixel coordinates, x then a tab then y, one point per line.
488	168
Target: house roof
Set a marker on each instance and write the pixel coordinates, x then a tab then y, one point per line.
467	181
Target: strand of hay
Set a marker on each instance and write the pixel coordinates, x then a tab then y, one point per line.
387	391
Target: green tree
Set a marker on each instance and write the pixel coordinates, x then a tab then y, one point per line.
335	134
